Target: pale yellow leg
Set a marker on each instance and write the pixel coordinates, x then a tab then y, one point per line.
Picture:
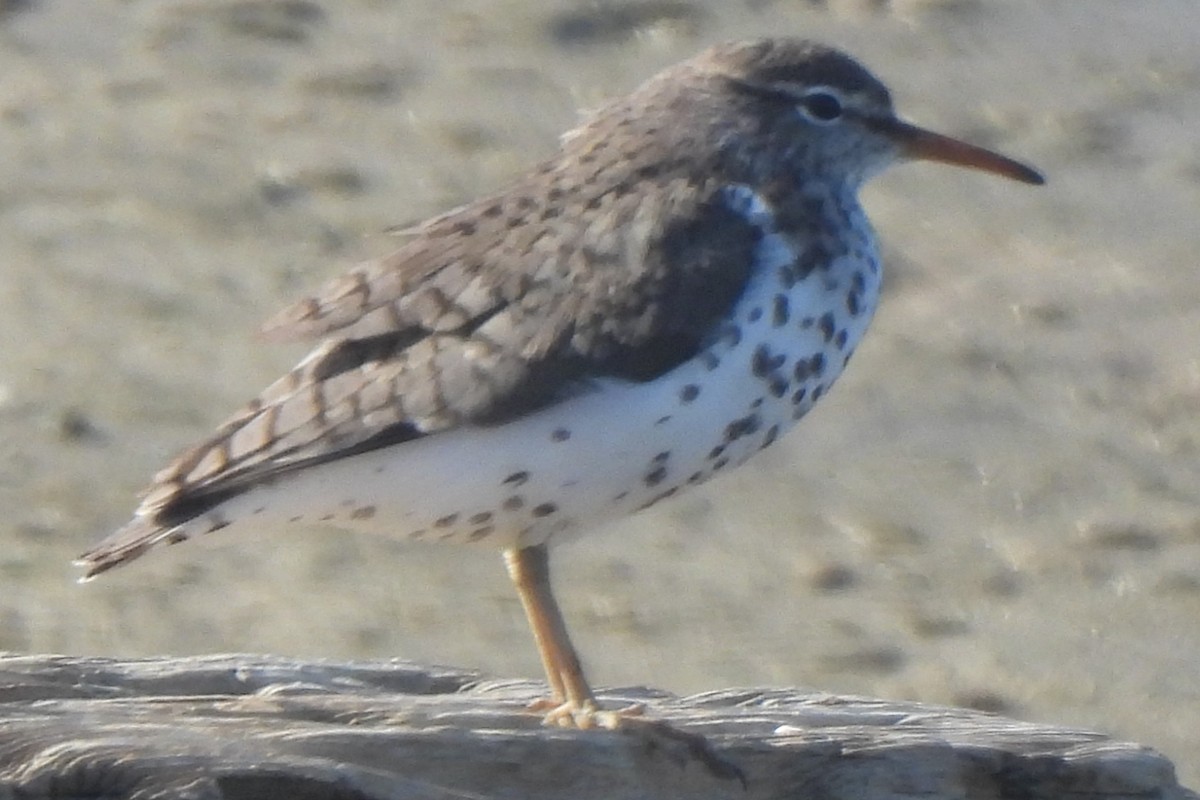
573	703
529	568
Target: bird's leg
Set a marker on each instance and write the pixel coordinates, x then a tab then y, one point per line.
574	704
529	569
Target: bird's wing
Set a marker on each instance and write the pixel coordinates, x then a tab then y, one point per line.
488	311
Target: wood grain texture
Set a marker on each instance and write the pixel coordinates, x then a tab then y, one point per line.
237	726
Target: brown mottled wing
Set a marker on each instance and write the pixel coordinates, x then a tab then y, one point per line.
468	323
606	261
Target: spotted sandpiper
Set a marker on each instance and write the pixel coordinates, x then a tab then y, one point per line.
652	305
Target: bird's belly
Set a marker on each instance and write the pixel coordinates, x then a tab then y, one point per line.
611	450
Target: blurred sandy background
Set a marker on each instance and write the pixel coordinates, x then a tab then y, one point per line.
997	506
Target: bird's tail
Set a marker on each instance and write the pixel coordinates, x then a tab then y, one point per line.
126	544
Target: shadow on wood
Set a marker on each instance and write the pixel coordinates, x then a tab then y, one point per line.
263	727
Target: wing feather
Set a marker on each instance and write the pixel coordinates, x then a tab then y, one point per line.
489	311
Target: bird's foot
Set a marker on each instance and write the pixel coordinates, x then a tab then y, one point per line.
584	716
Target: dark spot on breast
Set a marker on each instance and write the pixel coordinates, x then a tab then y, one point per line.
841	338
544	509
800	373
325	518
296	518
827	326
731	334
662	420
766	366
780	311
772	435
465	227
493	210
655	476
760	362
657	497
817	392
513	503
662	457
366	512
755	314
481	533
446	521
799	395
695	477
720	464
560	435
816	364
742	427
852	304
175	537
806	323
517	478
689	393
709	360
482	518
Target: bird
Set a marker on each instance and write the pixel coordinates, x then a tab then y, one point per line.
648	307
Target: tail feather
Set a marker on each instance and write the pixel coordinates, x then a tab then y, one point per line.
126	544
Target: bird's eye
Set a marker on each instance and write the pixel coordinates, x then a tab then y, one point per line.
821	106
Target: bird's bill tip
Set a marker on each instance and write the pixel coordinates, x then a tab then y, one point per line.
920	144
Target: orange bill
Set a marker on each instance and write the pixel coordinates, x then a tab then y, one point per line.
918	143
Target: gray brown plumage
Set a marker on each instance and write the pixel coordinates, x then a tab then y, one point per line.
695	249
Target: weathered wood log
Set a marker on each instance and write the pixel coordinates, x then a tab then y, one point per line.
263	727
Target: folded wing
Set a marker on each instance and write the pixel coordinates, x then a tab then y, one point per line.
485	313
